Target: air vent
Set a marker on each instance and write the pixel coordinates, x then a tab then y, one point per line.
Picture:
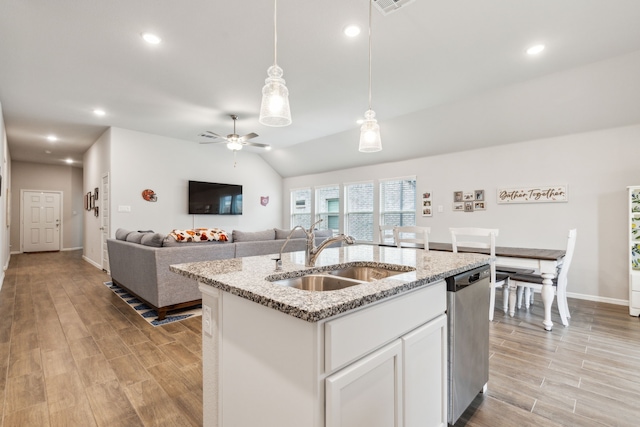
387	6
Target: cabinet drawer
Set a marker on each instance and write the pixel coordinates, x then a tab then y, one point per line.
354	335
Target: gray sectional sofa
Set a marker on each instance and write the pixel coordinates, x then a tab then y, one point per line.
139	261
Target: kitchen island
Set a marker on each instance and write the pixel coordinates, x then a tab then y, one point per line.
372	354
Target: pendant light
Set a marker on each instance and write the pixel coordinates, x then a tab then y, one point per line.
370	141
274	110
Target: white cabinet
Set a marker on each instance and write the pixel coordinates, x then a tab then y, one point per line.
425	375
367	392
633	230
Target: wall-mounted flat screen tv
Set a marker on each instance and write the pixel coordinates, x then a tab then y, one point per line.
210	198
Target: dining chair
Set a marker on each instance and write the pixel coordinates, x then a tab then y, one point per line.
484	239
386	236
412	236
527	284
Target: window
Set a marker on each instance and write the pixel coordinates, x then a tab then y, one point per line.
398	201
301	207
359	211
328	208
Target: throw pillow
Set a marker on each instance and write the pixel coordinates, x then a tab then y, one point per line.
121	233
134	237
200	235
253	236
283	234
152	239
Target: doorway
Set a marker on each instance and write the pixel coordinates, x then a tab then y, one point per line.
41	221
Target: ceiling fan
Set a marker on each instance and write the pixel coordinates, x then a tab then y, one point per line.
234	141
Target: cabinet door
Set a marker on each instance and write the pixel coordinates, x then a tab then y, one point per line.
425	375
367	392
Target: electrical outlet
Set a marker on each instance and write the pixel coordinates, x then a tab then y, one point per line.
207	326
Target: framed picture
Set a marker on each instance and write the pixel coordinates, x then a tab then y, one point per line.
468	206
95	193
457	196
458	207
87	201
466	197
95	211
426	204
479	195
479	206
92	201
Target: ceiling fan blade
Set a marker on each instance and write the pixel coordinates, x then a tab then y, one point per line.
248	136
213	142
209	134
256	144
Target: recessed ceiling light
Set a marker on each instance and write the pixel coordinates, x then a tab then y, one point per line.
351	30
69	161
536	49
151	38
268	148
360	121
99	112
47	151
52	138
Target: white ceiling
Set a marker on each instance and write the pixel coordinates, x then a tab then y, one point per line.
439	67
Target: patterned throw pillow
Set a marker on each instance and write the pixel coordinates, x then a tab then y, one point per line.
200	235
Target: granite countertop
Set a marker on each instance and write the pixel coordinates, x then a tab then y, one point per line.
247	277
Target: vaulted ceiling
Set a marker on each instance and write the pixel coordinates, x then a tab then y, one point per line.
446	75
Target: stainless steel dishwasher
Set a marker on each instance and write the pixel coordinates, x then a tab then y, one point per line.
468	344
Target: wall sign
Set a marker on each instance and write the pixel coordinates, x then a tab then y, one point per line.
543	194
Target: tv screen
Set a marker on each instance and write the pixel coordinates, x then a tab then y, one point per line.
210	198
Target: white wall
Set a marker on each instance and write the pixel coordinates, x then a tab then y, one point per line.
64	178
139	161
596	166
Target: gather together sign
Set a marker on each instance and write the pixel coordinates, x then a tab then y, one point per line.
546	194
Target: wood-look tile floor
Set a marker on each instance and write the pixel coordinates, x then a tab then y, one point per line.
73	354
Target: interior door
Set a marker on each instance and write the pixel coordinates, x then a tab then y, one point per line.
104	219
40	221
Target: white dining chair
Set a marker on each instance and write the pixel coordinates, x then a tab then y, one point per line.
412	236
483	238
527	284
386	236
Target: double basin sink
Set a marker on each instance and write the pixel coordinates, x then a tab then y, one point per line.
340	278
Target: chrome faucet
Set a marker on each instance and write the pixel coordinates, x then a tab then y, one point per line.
312	252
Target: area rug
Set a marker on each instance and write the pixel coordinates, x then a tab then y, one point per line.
150	314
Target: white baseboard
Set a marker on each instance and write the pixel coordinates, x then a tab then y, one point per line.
598	299
71	249
90	261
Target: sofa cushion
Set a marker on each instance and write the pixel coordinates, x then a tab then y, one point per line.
283	234
121	234
253	236
135	237
153	239
200	235
323	233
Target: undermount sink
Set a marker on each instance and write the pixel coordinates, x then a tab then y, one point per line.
364	273
333	280
318	282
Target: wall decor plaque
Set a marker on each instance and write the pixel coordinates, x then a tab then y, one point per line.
542	194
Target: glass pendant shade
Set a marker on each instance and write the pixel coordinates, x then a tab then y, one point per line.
370	141
274	110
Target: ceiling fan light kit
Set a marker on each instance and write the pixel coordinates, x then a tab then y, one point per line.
370	141
274	110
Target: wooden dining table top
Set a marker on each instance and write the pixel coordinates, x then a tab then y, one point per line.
506	251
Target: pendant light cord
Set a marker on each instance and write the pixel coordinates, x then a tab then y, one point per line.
370	3
275	32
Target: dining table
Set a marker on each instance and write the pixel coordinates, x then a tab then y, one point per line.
544	262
